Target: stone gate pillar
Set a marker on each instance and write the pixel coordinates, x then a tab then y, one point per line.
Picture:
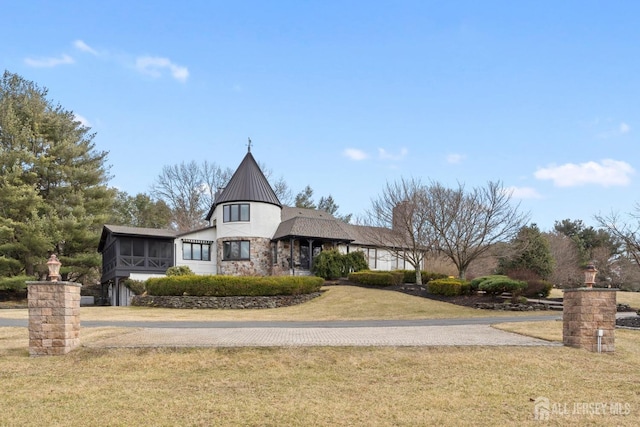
54	314
589	319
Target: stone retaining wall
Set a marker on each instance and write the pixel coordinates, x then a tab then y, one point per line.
238	302
511	307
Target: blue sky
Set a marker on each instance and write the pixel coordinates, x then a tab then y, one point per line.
345	96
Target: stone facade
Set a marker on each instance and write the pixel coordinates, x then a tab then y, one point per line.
237	302
54	317
585	311
259	263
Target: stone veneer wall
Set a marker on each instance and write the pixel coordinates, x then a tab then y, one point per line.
238	302
259	263
54	317
585	310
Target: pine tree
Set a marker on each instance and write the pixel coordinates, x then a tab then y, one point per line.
53	184
531	252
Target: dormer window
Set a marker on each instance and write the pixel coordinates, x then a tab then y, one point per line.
235	212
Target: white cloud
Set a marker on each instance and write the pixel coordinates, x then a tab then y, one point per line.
385	155
523	192
454	158
82	120
49	62
355	154
606	173
624	128
83	47
154	65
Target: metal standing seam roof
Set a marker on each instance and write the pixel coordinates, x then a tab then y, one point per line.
248	184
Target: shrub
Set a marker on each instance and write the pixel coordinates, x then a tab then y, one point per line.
136	286
328	264
332	264
376	278
179	270
14	284
497	284
409	276
536	286
520	300
355	261
225	286
448	287
537	289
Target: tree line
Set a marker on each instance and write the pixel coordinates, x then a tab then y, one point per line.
55	197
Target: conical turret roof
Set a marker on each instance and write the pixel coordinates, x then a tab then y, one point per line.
248	184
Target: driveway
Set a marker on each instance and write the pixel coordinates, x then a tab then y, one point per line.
456	335
419	332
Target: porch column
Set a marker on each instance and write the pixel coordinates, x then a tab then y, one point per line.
310	254
291	263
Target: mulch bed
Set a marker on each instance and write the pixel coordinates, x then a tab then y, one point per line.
463	300
471	300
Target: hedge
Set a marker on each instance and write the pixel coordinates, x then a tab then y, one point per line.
449	287
497	284
179	270
226	286
409	276
377	278
136	286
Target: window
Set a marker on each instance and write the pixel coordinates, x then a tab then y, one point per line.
196	251
235	250
372	257
236	212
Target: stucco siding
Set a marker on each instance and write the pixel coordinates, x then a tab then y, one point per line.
264	220
205	236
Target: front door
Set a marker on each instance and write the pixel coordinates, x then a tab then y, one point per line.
304	253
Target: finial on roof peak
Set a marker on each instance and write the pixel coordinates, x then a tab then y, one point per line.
249	145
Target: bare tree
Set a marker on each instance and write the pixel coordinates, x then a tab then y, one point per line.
567	272
214	178
279	185
467	224
283	192
626	230
398	222
189	189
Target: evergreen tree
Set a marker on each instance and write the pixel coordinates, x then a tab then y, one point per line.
52	184
531	252
304	199
140	211
327	204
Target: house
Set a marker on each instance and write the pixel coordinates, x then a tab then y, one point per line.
249	232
